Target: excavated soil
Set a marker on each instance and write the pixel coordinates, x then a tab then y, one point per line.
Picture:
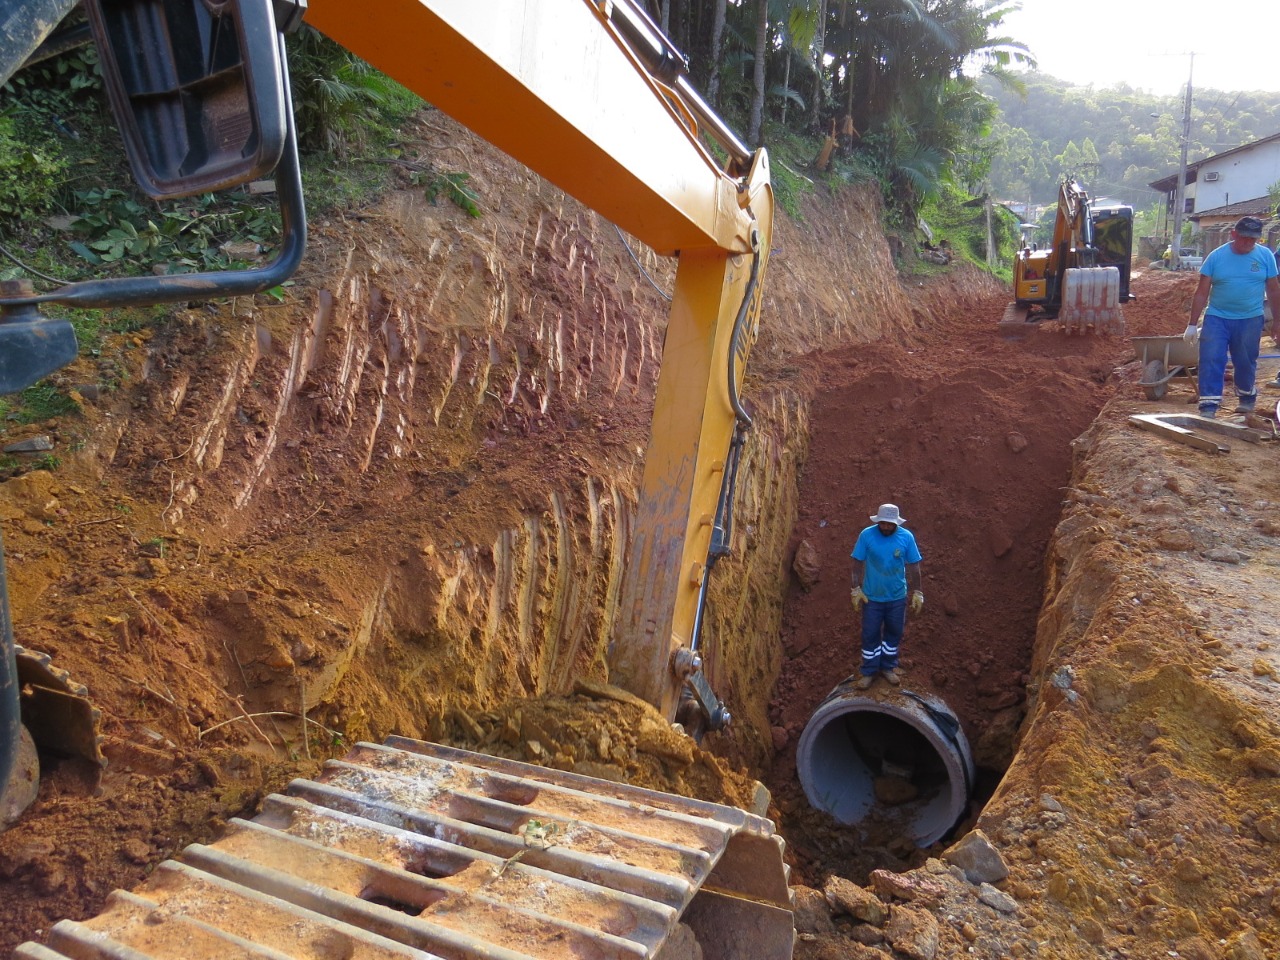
395	504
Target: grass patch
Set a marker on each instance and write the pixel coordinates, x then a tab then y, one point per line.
960	219
41	402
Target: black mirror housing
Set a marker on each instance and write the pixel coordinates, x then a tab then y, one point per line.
197	89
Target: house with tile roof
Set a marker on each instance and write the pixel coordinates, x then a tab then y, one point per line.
1227	186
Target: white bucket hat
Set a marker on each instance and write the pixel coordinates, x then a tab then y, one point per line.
888	514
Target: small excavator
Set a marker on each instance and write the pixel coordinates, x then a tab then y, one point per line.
1081	279
408	849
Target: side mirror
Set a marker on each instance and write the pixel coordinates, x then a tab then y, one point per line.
197	89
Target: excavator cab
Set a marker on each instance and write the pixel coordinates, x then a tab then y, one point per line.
199	91
1113	241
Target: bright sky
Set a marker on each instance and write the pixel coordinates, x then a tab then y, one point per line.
1147	43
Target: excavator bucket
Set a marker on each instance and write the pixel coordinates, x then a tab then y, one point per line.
1091	301
57	710
412	849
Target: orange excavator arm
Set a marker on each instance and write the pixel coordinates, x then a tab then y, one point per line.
590	95
574	91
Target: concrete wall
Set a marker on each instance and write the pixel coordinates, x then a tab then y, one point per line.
1246	175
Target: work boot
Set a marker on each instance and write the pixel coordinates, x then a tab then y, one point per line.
893	676
865	681
1208	413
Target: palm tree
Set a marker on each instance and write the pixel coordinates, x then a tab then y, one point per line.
819	56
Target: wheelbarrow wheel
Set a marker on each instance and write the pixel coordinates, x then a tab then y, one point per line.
1154	383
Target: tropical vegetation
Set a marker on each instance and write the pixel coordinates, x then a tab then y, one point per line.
1118	139
895	81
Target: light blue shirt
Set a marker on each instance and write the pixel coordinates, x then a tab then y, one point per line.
1239	280
885	559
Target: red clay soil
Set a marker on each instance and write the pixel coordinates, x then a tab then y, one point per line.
206	551
970	433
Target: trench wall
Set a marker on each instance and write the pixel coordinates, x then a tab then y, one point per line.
412	483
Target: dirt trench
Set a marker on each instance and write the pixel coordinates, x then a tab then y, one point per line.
396	504
973	436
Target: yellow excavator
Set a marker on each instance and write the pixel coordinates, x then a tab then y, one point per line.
407	848
1082	277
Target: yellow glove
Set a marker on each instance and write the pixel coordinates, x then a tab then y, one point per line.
917	601
858	598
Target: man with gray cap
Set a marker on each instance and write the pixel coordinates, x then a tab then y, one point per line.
1233	280
885	561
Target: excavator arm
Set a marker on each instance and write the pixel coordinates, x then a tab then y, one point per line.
631	149
587	93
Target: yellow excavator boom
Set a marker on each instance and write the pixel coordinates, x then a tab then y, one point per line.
630	149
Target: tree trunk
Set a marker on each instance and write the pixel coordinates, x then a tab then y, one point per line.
815	101
679	32
762	51
717	39
849	85
786	84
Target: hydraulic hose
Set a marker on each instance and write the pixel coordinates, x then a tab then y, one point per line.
670	66
722	529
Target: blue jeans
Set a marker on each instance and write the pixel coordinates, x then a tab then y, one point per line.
882	625
1218	337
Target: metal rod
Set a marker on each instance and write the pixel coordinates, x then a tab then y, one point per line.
121	291
671	66
10	708
1179	197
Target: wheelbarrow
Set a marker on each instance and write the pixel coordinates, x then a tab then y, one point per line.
1164	358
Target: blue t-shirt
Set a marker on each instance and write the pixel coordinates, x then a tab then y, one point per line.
884	576
1239	280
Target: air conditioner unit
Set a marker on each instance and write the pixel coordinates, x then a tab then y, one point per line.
1211	176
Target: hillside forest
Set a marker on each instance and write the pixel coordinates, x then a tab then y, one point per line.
1117	139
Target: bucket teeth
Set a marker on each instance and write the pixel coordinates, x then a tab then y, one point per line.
1091	301
57	710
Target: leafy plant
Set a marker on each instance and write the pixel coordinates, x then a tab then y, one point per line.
114	227
30	175
453	186
341	102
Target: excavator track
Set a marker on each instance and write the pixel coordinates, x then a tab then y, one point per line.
412	849
1015	321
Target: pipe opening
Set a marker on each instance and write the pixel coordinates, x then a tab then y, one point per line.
897	757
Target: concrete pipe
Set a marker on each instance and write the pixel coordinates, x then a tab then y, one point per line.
895	753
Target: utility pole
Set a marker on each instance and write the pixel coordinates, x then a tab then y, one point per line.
1179	201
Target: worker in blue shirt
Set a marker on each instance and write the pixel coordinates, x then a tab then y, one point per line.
1233	281
885	561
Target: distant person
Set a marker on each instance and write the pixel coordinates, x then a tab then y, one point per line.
1233	281
1167	256
885	560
